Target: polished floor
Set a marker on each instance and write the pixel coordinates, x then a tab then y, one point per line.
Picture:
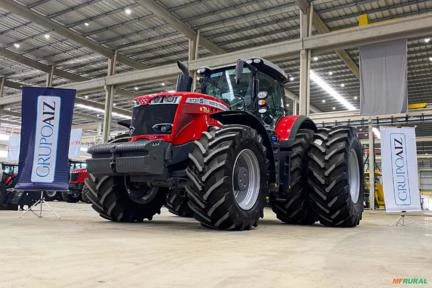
83	250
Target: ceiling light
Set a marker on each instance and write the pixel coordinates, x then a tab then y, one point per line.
101	111
8	109
86	97
3	154
136	88
334	108
430	59
291	78
47	36
128	11
315	58
17	45
355	97
97	115
323	101
330	73
86	24
427	40
342	85
287	105
114	104
377	132
326	87
83	149
163	84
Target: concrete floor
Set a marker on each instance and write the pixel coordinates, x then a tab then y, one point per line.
83	250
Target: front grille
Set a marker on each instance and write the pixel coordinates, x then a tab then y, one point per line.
145	119
74	176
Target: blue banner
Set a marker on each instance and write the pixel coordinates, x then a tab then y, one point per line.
45	132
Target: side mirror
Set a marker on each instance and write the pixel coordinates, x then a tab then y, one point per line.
184	80
239	70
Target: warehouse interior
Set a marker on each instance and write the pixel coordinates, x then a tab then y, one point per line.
111	52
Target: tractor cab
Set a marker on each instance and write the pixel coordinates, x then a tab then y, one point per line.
8	174
254	85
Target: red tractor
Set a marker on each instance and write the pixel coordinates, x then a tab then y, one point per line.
77	176
221	152
8	177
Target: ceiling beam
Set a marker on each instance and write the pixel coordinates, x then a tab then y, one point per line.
408	27
39	19
39	66
322	27
160	11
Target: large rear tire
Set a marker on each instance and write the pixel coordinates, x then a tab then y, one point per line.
228	178
336	177
177	203
110	199
51	195
294	207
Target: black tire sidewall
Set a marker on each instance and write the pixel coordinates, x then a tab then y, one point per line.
357	207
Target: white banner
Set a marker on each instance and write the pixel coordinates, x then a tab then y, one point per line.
13	148
399	169
75	143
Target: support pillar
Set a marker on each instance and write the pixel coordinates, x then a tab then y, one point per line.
294	108
109	99
2	84
371	168
50	76
305	55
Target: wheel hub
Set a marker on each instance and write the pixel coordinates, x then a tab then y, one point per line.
246	180
140	193
354	176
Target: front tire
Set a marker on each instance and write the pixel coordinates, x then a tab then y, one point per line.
72	197
110	199
336	177
228	178
51	195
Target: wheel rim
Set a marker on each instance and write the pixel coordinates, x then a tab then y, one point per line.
246	179
50	193
354	176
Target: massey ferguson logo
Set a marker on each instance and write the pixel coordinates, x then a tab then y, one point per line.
400	169
46	137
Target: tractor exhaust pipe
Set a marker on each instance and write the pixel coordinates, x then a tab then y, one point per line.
184	80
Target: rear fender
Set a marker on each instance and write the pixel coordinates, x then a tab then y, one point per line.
288	126
248	119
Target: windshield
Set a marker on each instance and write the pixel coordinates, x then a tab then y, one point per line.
222	84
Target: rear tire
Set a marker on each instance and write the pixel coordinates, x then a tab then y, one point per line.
220	194
177	204
110	199
336	177
294	207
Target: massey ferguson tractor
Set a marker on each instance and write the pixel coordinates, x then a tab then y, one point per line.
221	152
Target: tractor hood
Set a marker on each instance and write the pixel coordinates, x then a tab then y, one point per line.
165	115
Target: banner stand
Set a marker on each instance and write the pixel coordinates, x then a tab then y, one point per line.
40	202
400	221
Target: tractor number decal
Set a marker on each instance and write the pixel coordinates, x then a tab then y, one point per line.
203	101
